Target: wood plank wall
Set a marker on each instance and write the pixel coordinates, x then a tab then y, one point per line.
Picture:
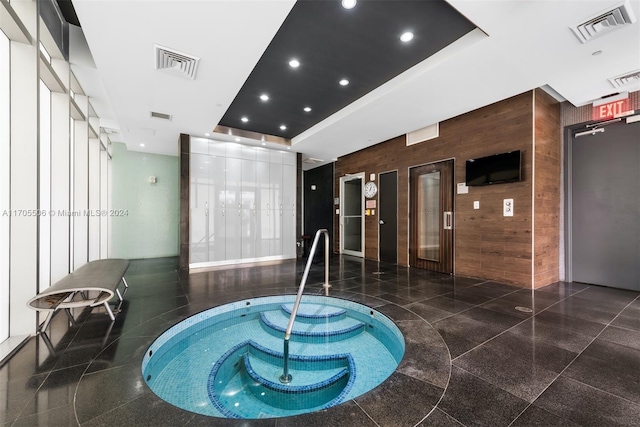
487	244
547	163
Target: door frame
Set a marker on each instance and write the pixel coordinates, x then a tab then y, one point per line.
343	179
453	209
397	208
569	139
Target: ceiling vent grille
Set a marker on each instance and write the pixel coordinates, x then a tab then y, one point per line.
175	62
163	116
604	22
625	79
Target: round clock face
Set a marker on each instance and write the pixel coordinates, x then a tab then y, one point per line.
370	189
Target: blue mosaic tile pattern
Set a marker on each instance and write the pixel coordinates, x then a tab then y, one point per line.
177	364
315	313
276	325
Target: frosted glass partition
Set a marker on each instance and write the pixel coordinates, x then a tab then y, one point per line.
44	143
4	185
81	190
243	204
94	214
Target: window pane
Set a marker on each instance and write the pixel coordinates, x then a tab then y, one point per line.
429	219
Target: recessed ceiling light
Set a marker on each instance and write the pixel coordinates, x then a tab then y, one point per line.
141	145
264	143
288	148
264	97
349	4
283	127
244	119
294	63
307	109
344	82
406	37
237	139
207	134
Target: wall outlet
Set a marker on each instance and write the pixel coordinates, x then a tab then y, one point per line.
507	207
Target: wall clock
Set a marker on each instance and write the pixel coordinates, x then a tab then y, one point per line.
370	189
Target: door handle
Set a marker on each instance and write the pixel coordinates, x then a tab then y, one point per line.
448	218
381	222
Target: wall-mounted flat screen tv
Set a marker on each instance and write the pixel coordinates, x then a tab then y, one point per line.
496	169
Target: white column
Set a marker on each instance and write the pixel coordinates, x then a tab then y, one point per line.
81	187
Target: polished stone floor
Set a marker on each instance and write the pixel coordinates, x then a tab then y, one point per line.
472	358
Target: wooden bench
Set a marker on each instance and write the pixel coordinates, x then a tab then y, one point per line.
100	277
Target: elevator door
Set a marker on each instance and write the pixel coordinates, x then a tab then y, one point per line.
605	207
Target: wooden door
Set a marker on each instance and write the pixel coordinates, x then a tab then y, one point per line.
431	217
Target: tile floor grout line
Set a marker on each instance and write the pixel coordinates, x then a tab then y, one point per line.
574	359
365	412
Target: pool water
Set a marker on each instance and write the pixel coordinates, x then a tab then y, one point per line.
226	361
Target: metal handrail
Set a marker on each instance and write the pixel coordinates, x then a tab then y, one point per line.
285	378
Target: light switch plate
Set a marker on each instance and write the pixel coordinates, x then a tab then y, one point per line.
507	207
476	204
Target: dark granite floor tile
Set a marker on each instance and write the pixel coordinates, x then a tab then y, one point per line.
598	302
498	287
124	351
474	402
537	417
57	390
103	391
582	309
472	298
569	323
439	419
629	318
17	393
397	313
587	406
369	300
147	410
552	334
462	333
611	367
519	365
626	337
395	299
387	403
563	289
58	416
495	321
426	356
534	300
347	414
203	420
427	312
506	307
602	294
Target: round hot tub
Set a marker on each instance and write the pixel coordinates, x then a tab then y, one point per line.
227	361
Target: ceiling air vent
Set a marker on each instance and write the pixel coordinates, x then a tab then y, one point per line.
160	115
175	62
604	22
625	79
312	161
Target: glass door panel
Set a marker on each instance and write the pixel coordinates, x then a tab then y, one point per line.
351	215
429	216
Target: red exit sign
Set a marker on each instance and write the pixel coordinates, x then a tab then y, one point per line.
610	109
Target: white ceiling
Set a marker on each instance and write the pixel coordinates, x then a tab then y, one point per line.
522	45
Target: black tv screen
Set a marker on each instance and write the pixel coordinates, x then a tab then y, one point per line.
495	169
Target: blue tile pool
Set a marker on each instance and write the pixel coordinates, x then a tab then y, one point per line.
226	361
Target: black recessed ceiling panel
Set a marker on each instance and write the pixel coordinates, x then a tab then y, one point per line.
332	43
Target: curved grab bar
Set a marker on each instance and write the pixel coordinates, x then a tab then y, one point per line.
285	378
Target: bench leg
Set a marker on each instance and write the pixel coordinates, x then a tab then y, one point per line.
119	294
109	312
47	320
125	283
